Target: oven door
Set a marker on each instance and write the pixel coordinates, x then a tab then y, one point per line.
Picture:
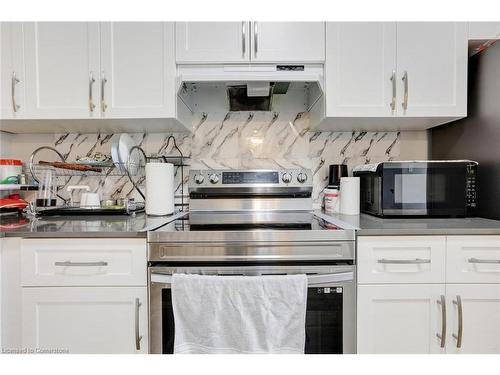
331	304
424	189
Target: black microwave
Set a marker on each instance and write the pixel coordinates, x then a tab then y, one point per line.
418	188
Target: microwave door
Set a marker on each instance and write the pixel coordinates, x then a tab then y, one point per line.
436	189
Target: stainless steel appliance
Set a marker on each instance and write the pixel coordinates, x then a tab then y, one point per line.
419	188
244	223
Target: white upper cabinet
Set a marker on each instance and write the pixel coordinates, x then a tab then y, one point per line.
393	76
137	76
62	62
361	60
11	71
288	42
484	30
233	42
432	69
212	42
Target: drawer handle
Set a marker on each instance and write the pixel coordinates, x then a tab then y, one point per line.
484	261
80	264
404	261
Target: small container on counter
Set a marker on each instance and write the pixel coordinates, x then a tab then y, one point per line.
332	200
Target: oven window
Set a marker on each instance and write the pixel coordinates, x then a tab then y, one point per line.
324	333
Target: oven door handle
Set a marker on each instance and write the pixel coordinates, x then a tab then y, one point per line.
311	279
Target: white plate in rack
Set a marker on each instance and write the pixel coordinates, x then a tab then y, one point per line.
124	145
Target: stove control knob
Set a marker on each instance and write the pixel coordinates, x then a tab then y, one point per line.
214	178
301	178
286	178
198	178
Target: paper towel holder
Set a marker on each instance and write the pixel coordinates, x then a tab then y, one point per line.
161	158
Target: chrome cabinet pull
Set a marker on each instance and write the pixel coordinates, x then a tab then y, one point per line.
484	261
255	38
442	336
81	264
405	98
103	102
14	82
393	101
243	38
459	334
138	337
403	261
91	100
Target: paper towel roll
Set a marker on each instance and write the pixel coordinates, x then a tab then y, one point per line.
349	195
159	189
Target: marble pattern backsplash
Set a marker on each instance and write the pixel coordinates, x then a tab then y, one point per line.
243	140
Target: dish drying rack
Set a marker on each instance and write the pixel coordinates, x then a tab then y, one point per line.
130	169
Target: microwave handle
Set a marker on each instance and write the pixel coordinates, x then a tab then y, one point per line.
311	279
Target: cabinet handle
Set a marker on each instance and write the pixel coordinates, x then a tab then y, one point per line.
405	98
138	337
403	261
103	102
80	264
442	336
393	101
243	38
255	38
91	83
459	334
14	82
484	261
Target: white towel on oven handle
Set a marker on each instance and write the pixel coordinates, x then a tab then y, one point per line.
239	314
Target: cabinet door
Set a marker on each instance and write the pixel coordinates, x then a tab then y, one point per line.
86	319
359	80
11	70
432	69
212	42
480	305
138	69
399	319
288	42
484	30
61	60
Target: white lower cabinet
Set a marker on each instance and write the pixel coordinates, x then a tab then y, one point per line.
399	319
476	309
402	312
85	319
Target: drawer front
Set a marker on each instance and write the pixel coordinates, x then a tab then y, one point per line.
83	262
401	260
473	259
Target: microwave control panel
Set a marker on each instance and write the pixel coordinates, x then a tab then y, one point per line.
471	188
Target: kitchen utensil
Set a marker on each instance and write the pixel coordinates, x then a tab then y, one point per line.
116	157
10	169
90	200
45	196
335	173
71	166
159	189
349	195
124	145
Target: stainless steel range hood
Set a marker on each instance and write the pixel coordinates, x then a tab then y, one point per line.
217	88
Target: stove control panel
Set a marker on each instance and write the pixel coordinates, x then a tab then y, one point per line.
230	177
